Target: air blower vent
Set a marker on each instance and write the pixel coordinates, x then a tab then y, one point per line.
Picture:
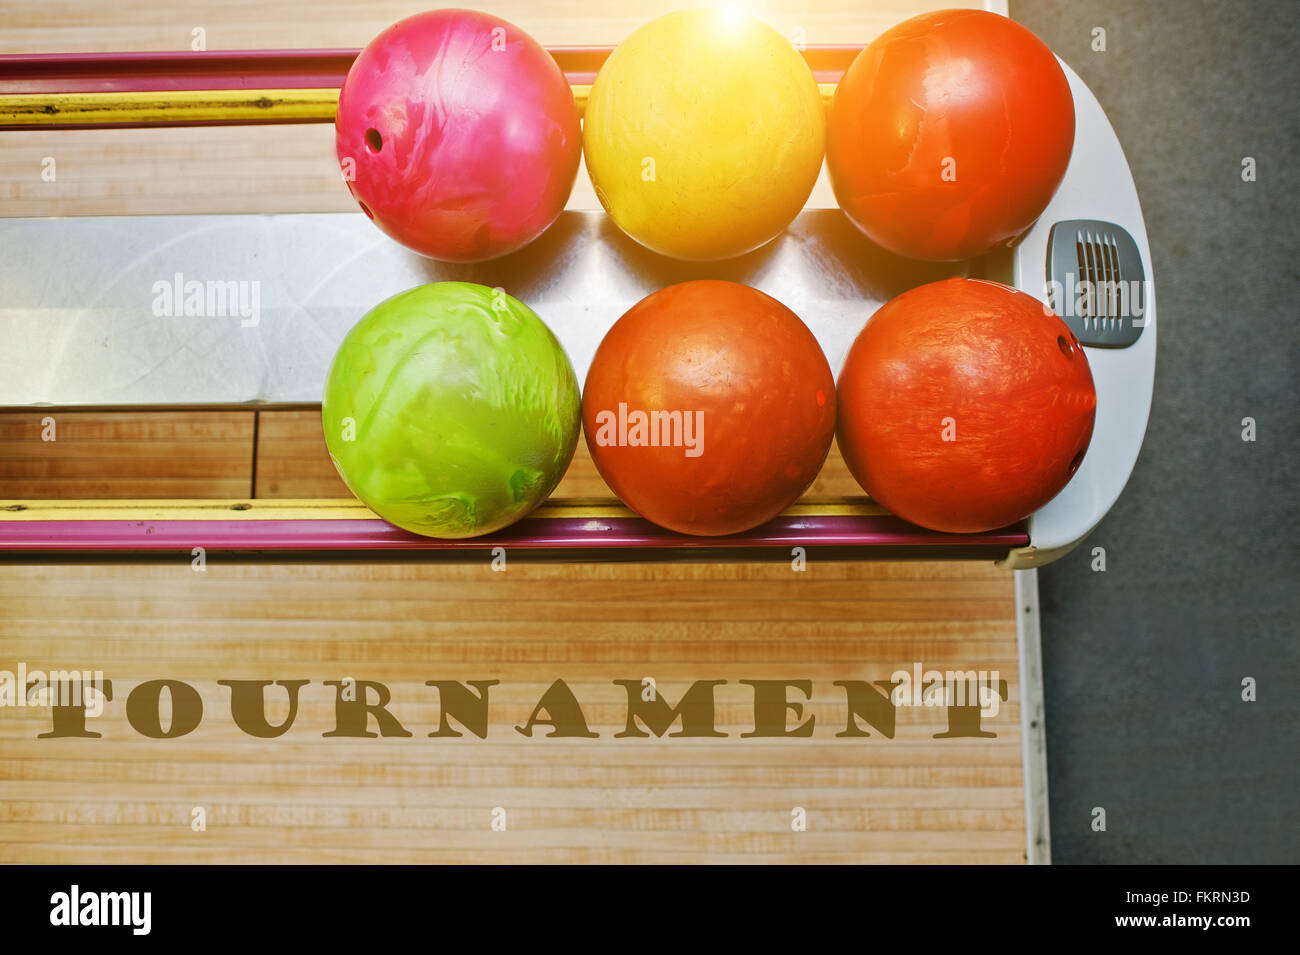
1096	282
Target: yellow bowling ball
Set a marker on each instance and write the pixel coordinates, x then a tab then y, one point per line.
704	134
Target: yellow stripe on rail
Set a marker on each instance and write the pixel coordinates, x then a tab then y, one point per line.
282	509
168	107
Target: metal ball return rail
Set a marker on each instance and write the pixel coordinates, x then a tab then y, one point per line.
579	277
123	90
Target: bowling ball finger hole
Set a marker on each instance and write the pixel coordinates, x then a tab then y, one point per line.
1066	349
366	209
1074	465
374	142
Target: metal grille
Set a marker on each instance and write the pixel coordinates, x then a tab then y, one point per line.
1096	282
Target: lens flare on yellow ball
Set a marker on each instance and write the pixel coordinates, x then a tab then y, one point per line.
704	134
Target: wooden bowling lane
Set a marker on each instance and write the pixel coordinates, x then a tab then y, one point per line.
126	798
58	26
56	454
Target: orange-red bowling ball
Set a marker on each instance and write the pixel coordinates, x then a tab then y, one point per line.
709	408
965	406
949	134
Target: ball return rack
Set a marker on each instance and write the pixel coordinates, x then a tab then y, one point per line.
94	341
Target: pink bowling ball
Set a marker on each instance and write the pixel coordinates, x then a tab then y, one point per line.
458	135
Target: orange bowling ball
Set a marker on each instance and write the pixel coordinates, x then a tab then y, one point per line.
949	134
709	408
965	405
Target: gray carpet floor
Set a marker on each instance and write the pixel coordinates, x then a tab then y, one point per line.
1145	662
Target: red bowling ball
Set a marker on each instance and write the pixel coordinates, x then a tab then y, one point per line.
965	406
949	134
709	408
458	135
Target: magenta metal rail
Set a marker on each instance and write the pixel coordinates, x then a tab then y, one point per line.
534	533
272	69
170	71
134	90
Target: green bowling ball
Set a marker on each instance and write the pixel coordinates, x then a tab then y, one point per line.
451	410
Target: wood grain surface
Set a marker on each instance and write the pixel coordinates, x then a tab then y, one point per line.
56	26
121	454
302	797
